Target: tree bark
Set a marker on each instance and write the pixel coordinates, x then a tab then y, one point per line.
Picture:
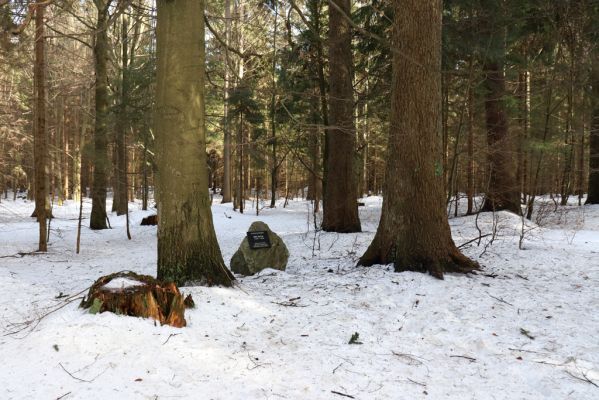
226	187
340	206
188	252
42	204
593	196
273	123
98	217
502	193
414	232
121	194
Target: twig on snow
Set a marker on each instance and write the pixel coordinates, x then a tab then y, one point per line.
342	394
500	299
416	382
73	376
584	378
471	359
170	336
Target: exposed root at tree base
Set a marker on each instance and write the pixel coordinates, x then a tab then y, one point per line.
454	262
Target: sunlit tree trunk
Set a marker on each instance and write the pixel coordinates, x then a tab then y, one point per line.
98	217
340	211
413	232
188	252
226	186
42	204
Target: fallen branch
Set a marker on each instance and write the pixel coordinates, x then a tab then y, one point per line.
473	240
342	394
501	300
471	359
35	322
73	376
584	378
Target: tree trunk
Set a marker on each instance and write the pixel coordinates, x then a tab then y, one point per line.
98	217
470	172
414	232
188	252
226	187
273	122
40	148
593	196
121	194
502	193
340	206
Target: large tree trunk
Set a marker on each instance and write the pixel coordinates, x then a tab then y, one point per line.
502	193
340	206
188	251
414	232
593	196
40	148
98	216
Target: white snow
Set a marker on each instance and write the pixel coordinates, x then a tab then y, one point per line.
121	283
284	335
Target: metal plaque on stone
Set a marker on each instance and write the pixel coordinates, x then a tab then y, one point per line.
258	240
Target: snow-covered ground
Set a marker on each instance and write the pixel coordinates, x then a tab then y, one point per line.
525	327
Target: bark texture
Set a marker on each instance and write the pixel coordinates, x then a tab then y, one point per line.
188	252
121	200
340	206
98	215
502	192
414	232
593	196
40	147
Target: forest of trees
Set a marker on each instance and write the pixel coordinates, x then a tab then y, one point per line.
427	103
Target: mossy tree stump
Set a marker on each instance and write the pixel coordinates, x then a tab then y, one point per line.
128	293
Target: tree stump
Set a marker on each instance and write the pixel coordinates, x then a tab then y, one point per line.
128	293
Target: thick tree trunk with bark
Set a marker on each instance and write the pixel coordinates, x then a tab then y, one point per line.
188	251
593	196
340	206
502	193
98	217
40	148
414	232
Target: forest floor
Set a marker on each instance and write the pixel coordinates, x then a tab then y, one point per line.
525	327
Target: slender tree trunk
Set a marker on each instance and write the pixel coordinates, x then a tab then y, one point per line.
273	122
188	251
414	232
226	187
66	153
470	172
522	94
340	206
145	189
98	217
40	148
593	196
121	194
